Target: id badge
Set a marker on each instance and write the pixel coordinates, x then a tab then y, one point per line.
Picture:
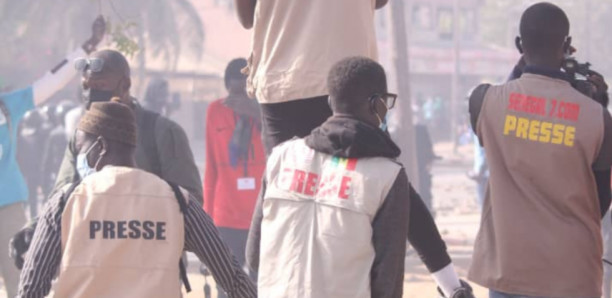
247	183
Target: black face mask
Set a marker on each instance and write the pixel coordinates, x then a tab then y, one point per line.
96	95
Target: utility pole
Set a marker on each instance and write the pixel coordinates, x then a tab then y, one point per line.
404	134
455	84
142	61
587	18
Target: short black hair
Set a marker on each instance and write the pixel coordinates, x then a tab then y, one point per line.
114	62
353	81
544	28
233	71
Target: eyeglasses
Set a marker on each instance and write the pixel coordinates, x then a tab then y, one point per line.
387	98
93	64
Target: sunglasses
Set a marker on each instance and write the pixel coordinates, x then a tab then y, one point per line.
91	64
387	98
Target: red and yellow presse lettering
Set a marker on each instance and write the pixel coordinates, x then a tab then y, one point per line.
310	184
540	131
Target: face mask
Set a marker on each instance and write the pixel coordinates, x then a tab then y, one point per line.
96	95
383	121
83	167
383	125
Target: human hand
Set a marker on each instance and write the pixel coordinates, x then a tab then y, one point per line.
599	82
600	92
19	245
98	29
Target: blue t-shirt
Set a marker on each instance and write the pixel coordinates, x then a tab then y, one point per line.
13	188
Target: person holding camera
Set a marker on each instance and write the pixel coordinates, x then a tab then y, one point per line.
549	149
593	85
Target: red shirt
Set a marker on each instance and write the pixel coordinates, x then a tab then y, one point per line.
229	204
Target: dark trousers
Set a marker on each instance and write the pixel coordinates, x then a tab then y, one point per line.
236	241
297	118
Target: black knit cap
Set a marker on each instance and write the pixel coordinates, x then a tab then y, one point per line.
111	120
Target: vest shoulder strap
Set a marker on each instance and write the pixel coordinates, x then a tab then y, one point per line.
149	140
180	197
66	195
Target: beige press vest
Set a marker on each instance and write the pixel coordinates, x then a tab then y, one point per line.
122	236
540	229
317	228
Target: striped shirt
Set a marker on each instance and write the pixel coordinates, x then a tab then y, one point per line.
201	237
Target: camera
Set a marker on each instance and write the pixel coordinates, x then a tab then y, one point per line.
578	73
572	67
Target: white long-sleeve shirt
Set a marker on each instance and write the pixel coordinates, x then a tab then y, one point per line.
14	106
57	78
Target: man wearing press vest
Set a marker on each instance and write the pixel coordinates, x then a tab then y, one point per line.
121	231
337	205
549	149
163	148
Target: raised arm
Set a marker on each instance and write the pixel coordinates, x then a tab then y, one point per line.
61	74
56	78
246	12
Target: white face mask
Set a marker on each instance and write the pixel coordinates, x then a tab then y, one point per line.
82	165
383	124
383	121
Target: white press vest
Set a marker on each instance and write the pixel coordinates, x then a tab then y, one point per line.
122	236
317	227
